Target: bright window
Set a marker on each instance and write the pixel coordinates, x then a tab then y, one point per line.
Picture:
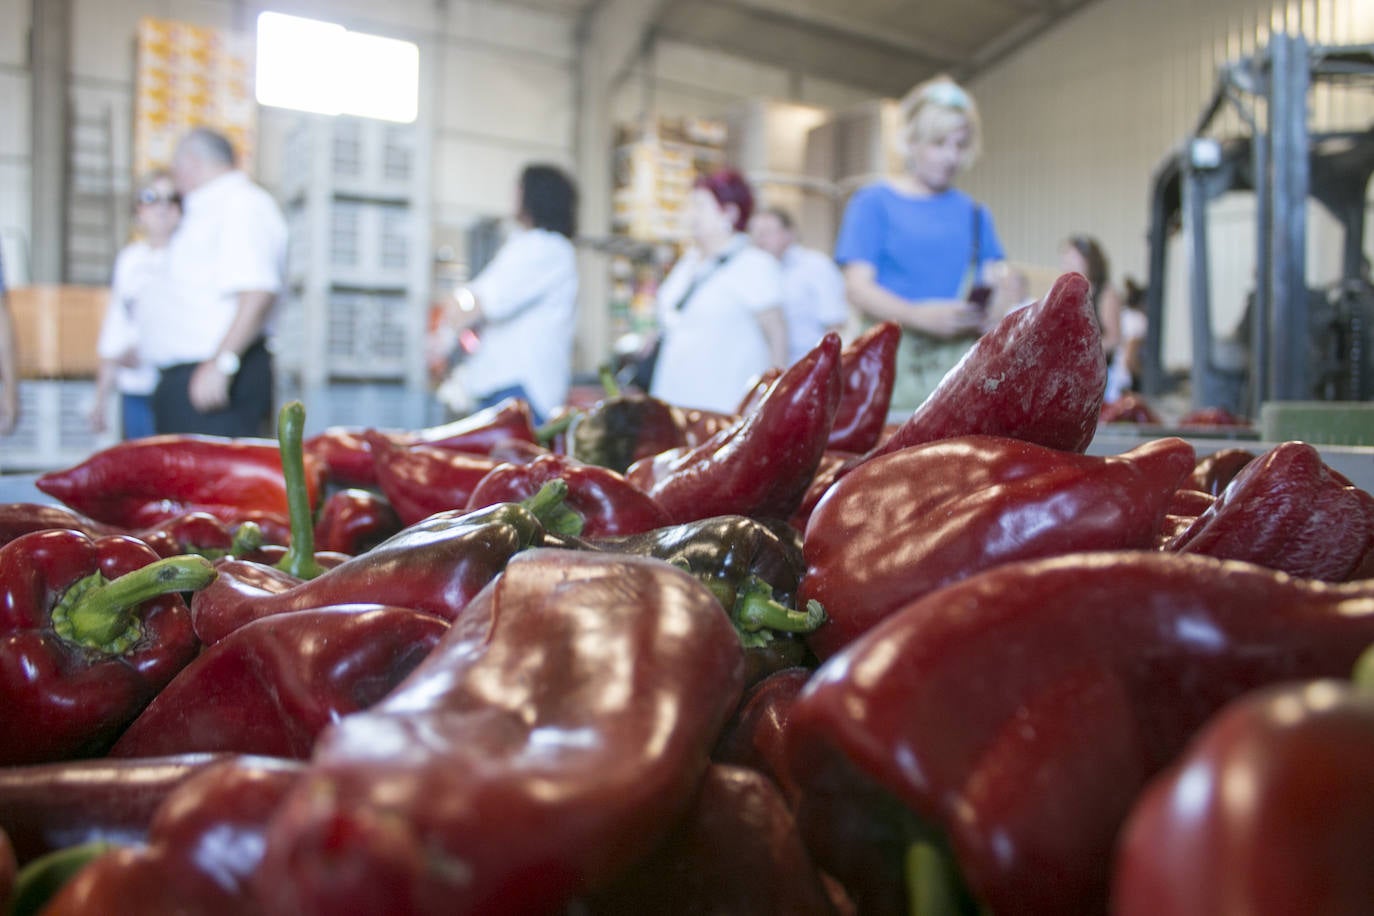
309	65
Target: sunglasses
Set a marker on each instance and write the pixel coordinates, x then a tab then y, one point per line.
149	196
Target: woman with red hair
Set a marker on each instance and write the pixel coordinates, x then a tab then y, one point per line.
720	308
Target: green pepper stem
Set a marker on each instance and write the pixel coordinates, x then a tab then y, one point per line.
98	613
555	427
299	559
40	880
247	538
1364	671
755	609
930	885
553	513
608	382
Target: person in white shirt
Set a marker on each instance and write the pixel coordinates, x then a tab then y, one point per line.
157	211
813	297
522	304
720	307
205	326
9	365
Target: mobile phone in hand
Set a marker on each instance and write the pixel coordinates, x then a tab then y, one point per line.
980	296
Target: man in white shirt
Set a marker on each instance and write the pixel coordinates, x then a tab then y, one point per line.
813	299
206	325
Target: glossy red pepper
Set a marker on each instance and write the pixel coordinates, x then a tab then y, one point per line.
555	735
420	480
1288	511
22	518
91	630
203	851
736	851
1215	472
480	432
353	521
1184	507
702	425
608	503
141	482
756	391
761	465
272	685
346	454
1269	812
868	368
757	732
905	524
436	566
49	806
1021	711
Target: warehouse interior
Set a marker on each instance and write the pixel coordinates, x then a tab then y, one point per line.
1082	102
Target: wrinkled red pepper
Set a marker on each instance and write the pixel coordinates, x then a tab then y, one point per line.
91	630
141	482
903	525
762	464
868	368
1269	812
1286	510
420	480
1022	710
608	503
554	736
203	851
272	685
352	521
1215	472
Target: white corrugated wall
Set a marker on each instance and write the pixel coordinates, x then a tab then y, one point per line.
1077	123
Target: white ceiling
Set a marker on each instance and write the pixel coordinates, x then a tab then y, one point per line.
881	45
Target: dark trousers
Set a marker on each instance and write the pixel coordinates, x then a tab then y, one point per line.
250	400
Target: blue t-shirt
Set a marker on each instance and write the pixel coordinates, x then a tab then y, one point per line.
920	247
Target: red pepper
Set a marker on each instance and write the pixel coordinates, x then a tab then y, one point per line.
91	629
617	431
272	685
903	525
1022	710
346	454
868	368
480	432
420	480
702	425
22	518
607	502
1184	508
51	806
1211	416
1129	408
756	734
353	521
550	741
8	866
1269	812
144	481
436	566
756	391
1038	376
1288	511
203	851
736	851
1215	472
761	465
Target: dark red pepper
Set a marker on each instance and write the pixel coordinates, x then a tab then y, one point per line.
702	425
91	630
756	734
23	518
420	480
905	524
1215	472
353	521
618	430
608	503
141	482
1211	416
346	454
756	391
1286	510
554	736
1269	812
203	851
507	421
1129	408
1021	711
762	464
868	368
273	684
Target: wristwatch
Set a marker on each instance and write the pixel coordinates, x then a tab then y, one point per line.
227	363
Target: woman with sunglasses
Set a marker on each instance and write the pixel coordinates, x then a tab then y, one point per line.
918	251
157	212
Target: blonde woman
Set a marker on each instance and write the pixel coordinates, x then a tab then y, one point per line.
918	251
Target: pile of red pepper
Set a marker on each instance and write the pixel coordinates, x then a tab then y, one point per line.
790	660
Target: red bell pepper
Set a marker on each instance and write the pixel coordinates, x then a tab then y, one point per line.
1215	472
1269	812
868	368
353	521
203	851
144	481
272	685
91	630
554	736
762	464
756	734
420	480
1021	711
903	525
1288	511
436	566
608	503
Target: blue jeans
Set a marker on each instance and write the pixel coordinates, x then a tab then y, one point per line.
136	415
